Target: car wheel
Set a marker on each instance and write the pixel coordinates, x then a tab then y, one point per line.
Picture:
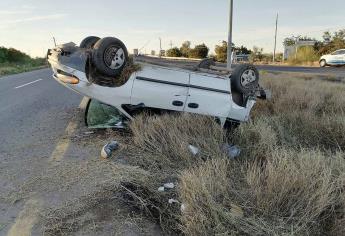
245	78
89	42
110	56
323	63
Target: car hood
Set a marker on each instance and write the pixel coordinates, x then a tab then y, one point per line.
327	55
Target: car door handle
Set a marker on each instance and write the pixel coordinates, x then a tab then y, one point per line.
193	105
177	103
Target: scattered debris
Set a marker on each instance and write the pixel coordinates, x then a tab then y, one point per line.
169	185
232	151
161	189
171	201
194	150
236	211
166	186
89	132
108	149
183	207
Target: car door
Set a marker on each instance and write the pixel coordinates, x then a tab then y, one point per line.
343	56
209	95
337	58
159	87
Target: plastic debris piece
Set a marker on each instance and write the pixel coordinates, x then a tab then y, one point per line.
236	211
161	189
108	149
169	185
183	207
89	132
171	201
194	150
232	151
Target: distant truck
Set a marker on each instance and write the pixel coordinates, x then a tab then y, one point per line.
91	68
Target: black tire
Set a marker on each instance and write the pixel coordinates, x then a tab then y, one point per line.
110	56
89	42
323	63
245	78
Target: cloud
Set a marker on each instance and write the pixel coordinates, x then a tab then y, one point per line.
145	31
8	24
35	18
13	12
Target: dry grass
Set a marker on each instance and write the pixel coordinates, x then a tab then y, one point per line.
289	180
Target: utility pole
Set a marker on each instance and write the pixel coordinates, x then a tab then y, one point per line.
275	39
171	44
54	41
229	52
160	47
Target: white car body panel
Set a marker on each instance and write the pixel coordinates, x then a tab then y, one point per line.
336	58
214	102
160	95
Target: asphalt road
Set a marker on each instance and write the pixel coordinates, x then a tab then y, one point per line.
30	107
334	71
338	71
34	113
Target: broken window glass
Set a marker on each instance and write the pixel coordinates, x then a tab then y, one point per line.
102	116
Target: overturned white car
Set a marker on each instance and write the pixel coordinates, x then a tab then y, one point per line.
97	69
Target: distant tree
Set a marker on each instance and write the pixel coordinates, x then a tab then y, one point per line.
200	51
221	51
185	48
243	50
290	41
174	52
12	55
331	43
257	54
3	54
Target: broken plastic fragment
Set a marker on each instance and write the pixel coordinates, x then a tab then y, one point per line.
169	185
194	150
183	207
171	201
232	151
108	149
161	189
88	132
236	211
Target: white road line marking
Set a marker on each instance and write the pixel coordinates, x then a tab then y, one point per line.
28	84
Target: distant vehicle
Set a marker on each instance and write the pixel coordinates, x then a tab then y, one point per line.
336	58
91	68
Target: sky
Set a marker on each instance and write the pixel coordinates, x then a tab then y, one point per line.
29	25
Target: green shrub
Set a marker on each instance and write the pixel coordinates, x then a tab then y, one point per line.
200	51
304	55
185	49
174	52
